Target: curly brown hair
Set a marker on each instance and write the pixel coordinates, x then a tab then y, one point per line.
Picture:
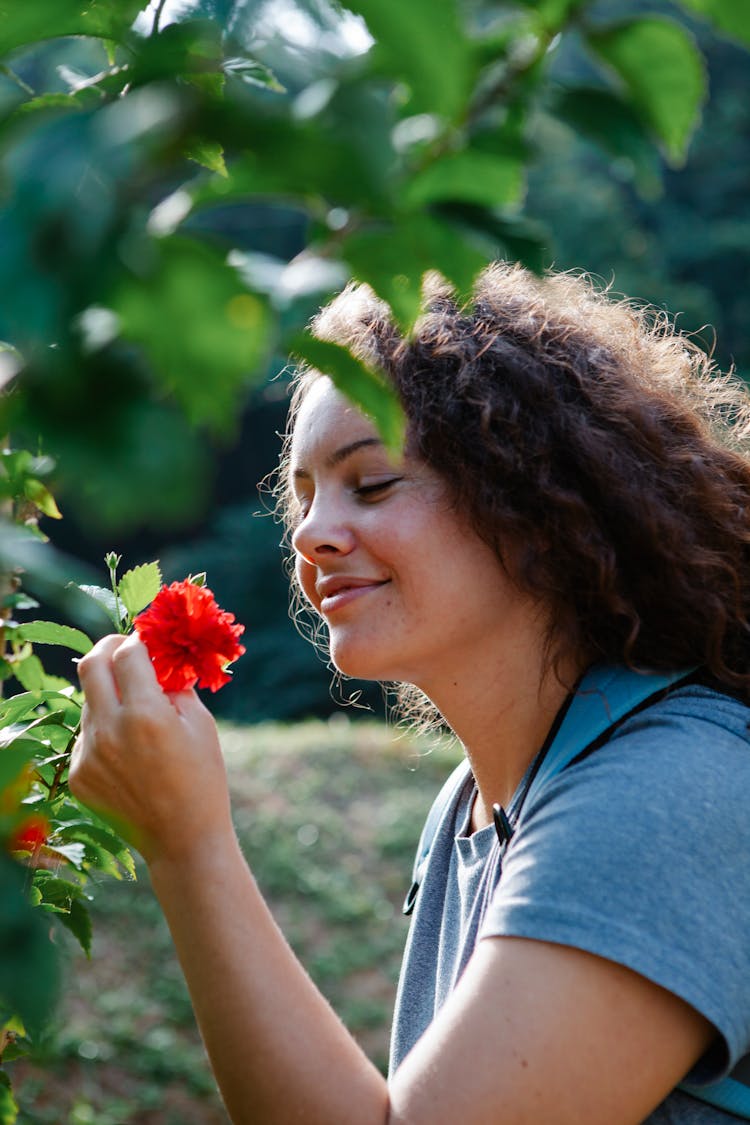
594	447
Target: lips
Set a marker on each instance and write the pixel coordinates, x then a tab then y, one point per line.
336	590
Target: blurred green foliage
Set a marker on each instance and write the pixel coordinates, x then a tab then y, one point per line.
400	135
181	188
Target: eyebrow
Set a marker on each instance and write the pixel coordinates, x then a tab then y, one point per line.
341	454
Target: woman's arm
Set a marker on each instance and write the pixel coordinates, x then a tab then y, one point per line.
534	1033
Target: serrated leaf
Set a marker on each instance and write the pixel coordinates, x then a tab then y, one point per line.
106	599
78	921
30	673
50	633
365	387
103	839
209	154
40	496
663	73
138	587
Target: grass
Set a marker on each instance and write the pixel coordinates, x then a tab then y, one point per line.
328	814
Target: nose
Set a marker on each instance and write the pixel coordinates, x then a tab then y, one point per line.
323	531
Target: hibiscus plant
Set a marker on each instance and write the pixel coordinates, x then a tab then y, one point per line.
52	848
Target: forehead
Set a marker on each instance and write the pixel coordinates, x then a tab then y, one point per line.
326	420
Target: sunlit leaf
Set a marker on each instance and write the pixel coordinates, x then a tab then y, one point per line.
730	16
21	706
365	387
253	72
42	498
138	587
50	633
30	674
23	22
663	73
209	154
470	176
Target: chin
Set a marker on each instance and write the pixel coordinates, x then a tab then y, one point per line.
361	662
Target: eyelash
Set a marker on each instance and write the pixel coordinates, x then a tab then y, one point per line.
363	492
366	490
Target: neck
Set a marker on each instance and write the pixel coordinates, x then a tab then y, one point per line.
501	709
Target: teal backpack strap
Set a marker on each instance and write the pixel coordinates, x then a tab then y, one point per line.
455	782
731	1094
605	697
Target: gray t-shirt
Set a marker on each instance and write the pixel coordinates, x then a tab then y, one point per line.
640	854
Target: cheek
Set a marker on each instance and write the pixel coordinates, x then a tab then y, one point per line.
306	579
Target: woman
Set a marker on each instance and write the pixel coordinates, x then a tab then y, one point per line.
572	491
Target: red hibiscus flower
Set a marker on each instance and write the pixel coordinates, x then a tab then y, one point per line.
30	834
189	638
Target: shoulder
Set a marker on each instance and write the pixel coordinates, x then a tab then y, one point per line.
689	748
638	853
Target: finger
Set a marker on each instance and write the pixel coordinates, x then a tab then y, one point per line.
134	673
96	676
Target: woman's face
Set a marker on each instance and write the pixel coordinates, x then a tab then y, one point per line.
407	589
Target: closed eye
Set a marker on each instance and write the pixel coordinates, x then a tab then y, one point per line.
366	490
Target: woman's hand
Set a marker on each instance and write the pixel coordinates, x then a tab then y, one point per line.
149	762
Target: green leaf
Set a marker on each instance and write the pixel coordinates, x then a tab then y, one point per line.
252	72
19	707
138	587
106	599
8	1104
13	759
30	673
87	98
28	967
50	633
364	386
224	329
730	16
664	75
42	498
513	237
46	19
184	49
484	178
209	154
78	921
394	259
424	45
103	838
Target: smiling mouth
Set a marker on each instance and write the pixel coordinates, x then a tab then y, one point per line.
342	595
